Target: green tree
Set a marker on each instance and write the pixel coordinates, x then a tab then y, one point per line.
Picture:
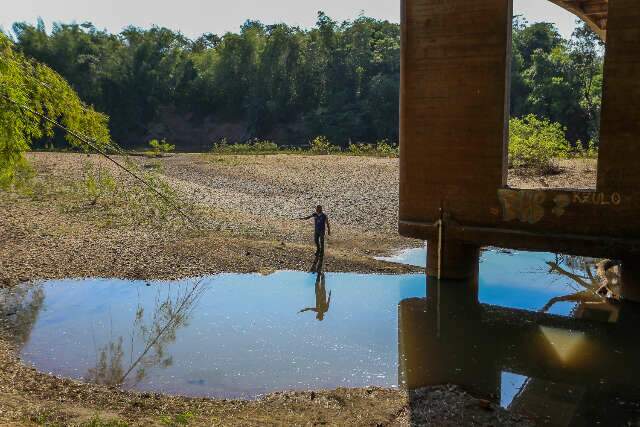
27	91
557	79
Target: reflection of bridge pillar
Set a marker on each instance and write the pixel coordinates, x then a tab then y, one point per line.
440	340
630	280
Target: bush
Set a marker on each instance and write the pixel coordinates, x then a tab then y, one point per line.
256	146
385	149
322	145
158	148
182	419
360	149
96	421
381	149
118	199
535	143
99	183
588	152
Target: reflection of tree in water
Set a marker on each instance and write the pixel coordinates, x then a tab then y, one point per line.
595	280
169	315
19	307
108	369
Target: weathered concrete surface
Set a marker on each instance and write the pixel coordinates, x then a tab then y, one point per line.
453	103
620	120
454	112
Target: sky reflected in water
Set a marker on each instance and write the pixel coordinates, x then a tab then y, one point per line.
242	335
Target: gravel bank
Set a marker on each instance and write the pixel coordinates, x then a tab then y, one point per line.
248	205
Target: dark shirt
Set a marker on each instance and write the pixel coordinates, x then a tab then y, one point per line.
321	222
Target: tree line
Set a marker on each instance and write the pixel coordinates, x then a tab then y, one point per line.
340	80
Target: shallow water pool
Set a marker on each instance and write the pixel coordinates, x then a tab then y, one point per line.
241	335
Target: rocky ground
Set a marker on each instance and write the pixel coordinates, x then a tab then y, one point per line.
81	217
245	218
569	174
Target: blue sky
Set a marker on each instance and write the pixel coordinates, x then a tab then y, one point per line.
194	17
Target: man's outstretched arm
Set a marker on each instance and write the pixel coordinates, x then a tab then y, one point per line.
306	217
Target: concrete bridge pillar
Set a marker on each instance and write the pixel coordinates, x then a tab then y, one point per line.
454	260
454	109
454	112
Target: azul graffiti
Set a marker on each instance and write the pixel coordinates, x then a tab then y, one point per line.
601	199
529	205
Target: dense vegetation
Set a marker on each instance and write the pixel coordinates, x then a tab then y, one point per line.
27	91
289	84
558	80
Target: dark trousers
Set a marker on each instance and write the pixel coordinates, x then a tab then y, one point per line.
318	237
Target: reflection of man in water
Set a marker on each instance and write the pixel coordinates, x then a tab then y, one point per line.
322	302
321	223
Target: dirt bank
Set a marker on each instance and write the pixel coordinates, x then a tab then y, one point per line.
246	206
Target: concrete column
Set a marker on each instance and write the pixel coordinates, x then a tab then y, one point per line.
459	260
618	170
453	108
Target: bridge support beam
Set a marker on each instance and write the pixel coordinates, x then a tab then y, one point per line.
454	261
454	112
454	108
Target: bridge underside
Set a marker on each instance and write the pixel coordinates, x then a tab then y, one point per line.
593	12
454	135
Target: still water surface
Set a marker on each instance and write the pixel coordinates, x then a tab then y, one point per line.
242	335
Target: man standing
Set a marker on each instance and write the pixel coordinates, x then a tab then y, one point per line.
321	223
